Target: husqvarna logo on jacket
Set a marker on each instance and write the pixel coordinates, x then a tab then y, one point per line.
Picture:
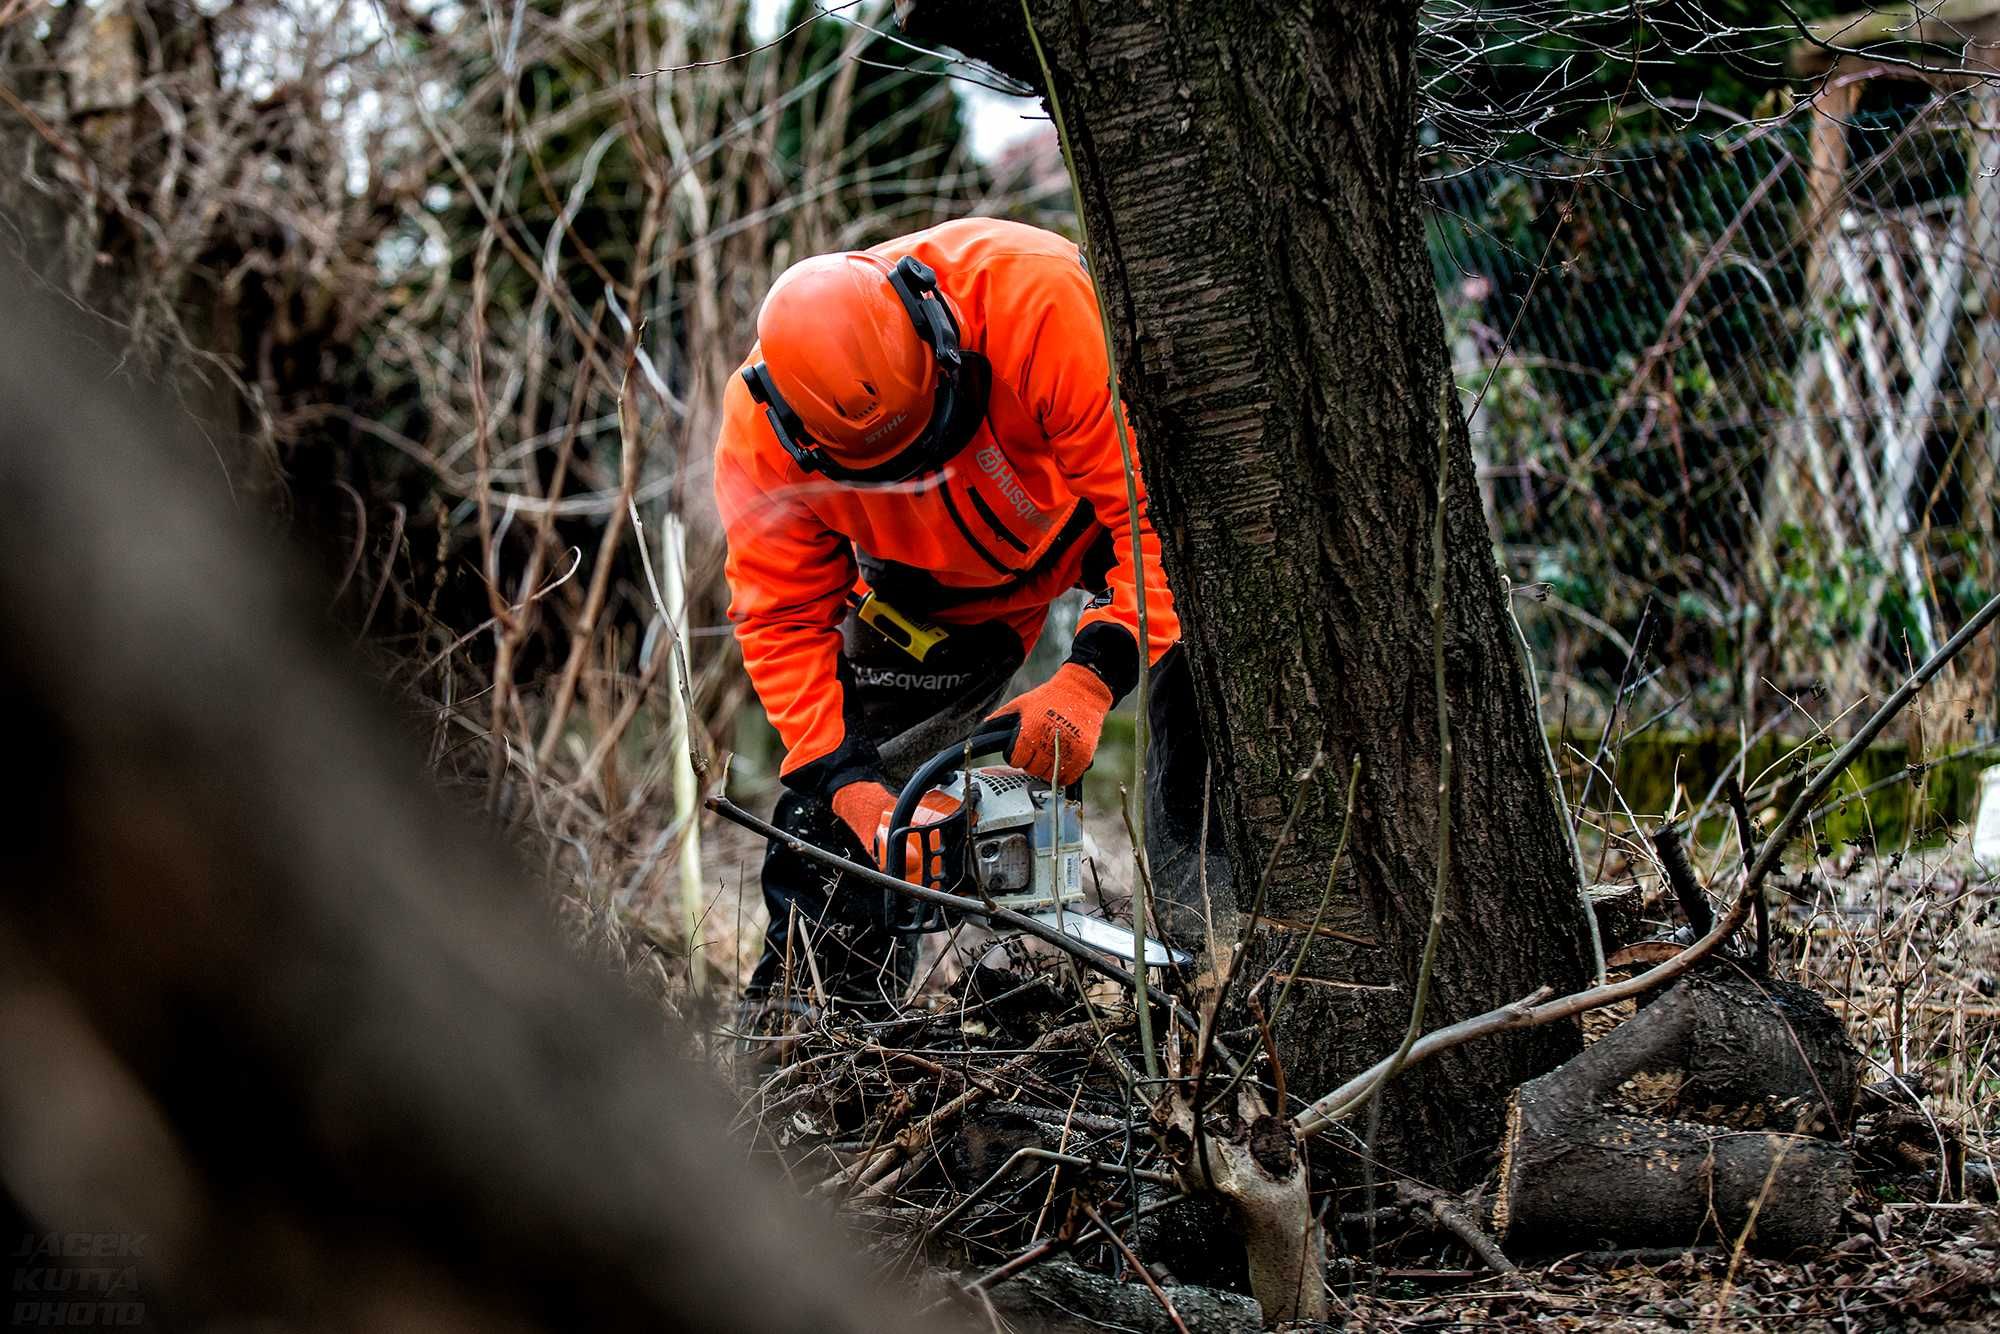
994	464
885	678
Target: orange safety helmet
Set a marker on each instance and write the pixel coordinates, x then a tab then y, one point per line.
863	378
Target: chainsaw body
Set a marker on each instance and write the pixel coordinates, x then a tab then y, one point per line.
993	833
997	834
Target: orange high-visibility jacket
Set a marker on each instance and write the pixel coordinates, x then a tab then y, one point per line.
1000	533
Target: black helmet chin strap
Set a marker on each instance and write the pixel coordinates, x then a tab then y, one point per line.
964	380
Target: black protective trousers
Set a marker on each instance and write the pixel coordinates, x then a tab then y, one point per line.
912	710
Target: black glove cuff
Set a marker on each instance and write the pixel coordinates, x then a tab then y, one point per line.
1110	652
853	761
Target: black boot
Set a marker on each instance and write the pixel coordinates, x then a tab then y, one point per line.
859	961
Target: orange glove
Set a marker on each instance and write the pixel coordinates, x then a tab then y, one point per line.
1071	704
861	806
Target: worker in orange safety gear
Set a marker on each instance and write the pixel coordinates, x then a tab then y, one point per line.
917	458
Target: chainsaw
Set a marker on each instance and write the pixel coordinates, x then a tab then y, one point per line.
1000	835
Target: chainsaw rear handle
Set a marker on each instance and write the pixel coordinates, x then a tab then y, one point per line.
991	739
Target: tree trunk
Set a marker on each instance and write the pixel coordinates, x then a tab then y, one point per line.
1255	216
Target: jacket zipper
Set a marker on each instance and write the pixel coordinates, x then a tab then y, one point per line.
979	549
993	521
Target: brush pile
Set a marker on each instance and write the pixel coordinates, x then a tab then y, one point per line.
973	1125
996	1142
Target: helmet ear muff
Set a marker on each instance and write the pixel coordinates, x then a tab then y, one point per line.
785	423
916	285
964	380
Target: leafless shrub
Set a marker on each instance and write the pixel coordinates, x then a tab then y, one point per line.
473	281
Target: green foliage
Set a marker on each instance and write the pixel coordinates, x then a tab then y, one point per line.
1655	324
1924	810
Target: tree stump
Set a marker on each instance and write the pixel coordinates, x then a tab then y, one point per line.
1719	1109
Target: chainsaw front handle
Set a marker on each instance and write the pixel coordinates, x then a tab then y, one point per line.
996	738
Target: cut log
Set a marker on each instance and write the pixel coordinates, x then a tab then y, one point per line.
1063	1295
1763	1054
1620	912
1714	1112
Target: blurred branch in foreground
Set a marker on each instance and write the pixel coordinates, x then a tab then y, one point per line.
272	1009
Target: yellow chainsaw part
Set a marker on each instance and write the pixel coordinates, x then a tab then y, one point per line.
906	634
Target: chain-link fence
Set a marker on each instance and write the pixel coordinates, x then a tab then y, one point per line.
1750	379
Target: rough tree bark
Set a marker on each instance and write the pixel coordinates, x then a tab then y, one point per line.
1254	207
